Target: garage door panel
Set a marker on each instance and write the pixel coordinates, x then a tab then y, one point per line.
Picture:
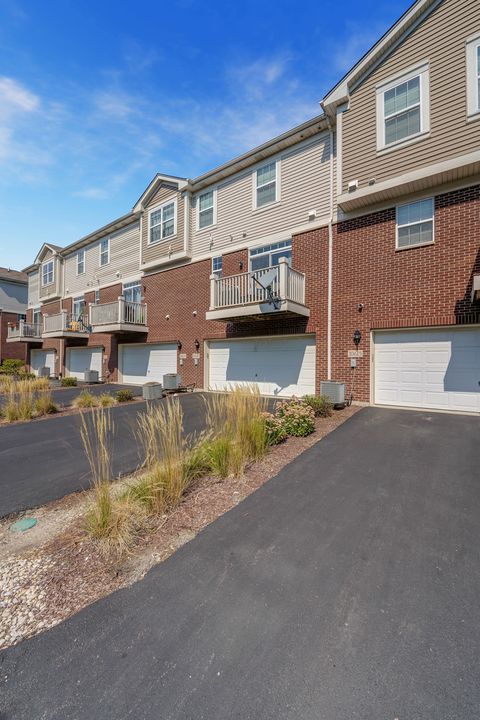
42	358
141	363
80	360
277	366
428	368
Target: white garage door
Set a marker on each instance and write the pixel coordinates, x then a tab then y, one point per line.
144	363
42	358
282	366
428	368
79	360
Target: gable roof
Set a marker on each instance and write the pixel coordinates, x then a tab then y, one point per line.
415	14
170	180
47	246
13	275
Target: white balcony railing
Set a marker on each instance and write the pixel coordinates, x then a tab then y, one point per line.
246	288
64	322
119	312
24	330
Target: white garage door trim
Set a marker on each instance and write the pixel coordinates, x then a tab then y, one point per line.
431	368
139	363
46	358
280	365
80	359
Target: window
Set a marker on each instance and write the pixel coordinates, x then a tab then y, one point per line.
415	223
473	76
78	308
132	291
97	297
266	185
402	109
37	317
162	222
269	255
48	274
104	251
21	316
206	209
217	265
80	262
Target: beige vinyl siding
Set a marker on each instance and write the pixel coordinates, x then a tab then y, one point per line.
33	289
124	259
304	186
55	289
440	40
164	249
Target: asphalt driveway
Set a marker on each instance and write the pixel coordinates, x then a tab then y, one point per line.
347	587
44	460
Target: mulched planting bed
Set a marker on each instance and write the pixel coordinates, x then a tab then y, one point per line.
53	571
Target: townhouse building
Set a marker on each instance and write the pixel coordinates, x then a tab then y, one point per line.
13	308
365	218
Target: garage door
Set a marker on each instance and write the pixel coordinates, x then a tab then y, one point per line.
428	368
277	366
144	363
42	358
78	360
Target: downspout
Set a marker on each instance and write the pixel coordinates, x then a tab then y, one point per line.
330	255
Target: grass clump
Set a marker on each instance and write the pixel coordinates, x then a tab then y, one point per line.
69	381
85	399
106	400
44	404
321	405
124	395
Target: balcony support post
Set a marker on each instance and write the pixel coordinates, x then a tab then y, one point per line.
283	278
121	309
213	290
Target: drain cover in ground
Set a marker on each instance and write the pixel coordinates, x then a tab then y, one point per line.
23	524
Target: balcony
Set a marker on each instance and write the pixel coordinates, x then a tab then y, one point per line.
24	332
247	296
65	325
119	317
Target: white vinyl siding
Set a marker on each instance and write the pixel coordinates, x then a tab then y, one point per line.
278	366
305	186
266	184
48	273
42	358
428	368
162	222
81	262
403	108
124	259
141	363
104	251
473	76
206	209
33	289
415	223
80	360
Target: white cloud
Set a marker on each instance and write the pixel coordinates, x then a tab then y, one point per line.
92	193
16	98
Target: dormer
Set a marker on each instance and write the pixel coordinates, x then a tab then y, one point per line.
49	263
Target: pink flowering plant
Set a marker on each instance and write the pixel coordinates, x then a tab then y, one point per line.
297	417
276	432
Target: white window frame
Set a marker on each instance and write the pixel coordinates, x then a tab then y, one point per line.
44	265
268	249
161	208
130	284
77	300
473	90
107	240
422	72
96	298
255	187
81	261
214	207
216	271
36	314
420	244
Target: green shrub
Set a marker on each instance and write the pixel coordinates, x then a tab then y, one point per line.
321	405
275	429
69	382
124	395
12	367
297	417
86	399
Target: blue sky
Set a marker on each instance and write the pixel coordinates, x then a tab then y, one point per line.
96	97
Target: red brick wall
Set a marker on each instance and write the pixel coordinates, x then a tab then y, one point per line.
417	287
10	351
